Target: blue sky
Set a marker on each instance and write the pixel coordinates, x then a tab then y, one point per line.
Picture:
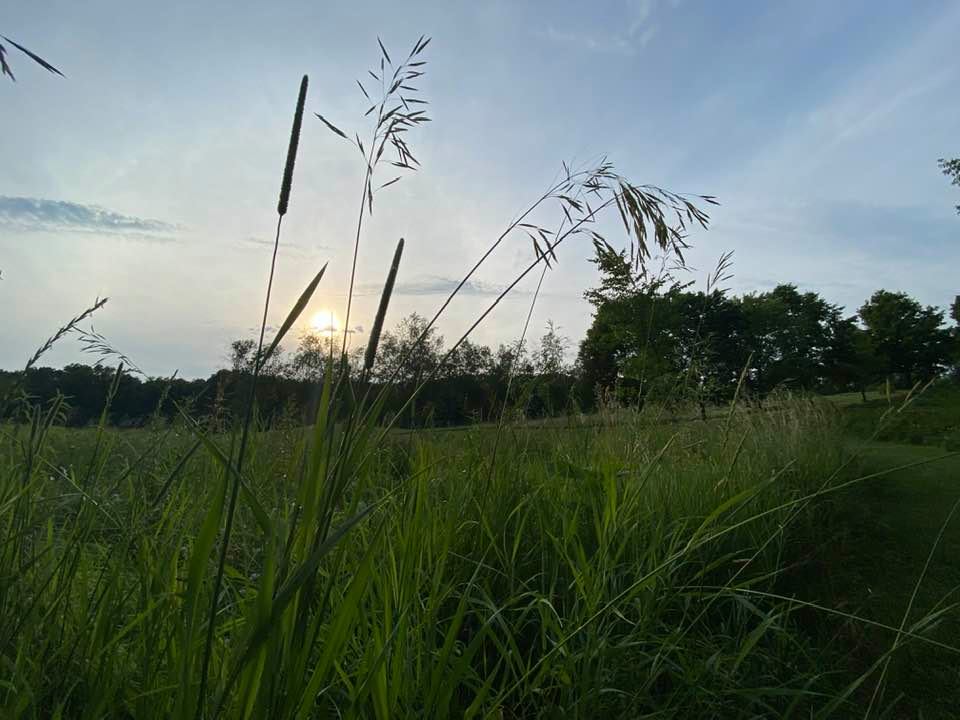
150	173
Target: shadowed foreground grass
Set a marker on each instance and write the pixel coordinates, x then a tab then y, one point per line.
873	561
612	572
892	527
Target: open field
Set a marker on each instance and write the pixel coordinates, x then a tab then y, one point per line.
637	569
621	569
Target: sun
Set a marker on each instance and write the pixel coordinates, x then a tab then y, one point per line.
324	322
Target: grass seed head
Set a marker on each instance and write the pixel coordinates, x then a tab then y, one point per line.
292	150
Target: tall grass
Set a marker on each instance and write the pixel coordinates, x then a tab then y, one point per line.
571	577
335	570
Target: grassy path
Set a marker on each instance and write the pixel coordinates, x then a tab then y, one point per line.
889	526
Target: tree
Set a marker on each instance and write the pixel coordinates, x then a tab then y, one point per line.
712	346
402	355
650	335
788	333
552	351
951	168
512	359
310	359
851	361
241	358
908	339
632	345
955	331
469	360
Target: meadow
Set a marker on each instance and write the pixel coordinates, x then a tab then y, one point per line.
626	568
617	569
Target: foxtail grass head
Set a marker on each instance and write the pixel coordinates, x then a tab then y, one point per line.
292	150
371	355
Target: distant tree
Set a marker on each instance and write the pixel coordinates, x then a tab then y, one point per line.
550	356
511	359
632	344
241	357
618	279
951	168
310	358
908	339
469	360
851	361
711	337
402	355
788	333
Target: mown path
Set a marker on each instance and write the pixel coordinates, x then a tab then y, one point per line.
888	527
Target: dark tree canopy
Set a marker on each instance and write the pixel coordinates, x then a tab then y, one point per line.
655	336
908	339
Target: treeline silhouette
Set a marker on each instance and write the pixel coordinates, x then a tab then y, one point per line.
473	385
652	338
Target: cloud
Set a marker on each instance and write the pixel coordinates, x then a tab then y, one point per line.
594	43
290	248
436	285
42	214
639	26
637	30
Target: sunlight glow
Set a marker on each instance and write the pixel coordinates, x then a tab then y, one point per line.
324	322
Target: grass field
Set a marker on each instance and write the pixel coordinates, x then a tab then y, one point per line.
635	568
583	570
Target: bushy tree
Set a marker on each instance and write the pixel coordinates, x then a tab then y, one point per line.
311	357
789	336
402	355
631	346
469	359
242	358
908	339
851	362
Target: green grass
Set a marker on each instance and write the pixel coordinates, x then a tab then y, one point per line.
636	568
931	418
884	531
620	570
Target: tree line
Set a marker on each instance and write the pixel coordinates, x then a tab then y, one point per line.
473	383
652	338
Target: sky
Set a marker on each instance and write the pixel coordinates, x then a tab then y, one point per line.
150	173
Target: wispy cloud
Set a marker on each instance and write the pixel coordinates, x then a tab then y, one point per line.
33	214
436	285
635	30
290	248
612	44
